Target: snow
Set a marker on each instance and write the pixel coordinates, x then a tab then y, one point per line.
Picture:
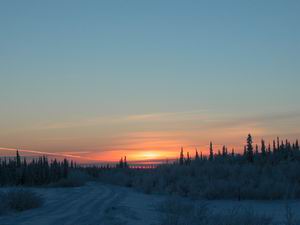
96	204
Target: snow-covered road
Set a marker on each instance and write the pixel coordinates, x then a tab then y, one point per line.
93	204
98	204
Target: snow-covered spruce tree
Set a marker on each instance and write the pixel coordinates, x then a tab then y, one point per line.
249	149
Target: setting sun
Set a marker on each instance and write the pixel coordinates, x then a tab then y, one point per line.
149	155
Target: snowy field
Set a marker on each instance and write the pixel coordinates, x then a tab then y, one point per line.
96	204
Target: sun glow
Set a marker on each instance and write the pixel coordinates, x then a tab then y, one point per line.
149	155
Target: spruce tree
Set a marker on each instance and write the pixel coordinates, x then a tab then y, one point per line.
18	160
297	145
125	162
245	151
196	155
274	146
181	158
256	149
224	152
65	168
211	152
17	169
263	148
188	159
249	149
269	149
121	163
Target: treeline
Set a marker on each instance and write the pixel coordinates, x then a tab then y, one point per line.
17	171
277	152
40	171
264	171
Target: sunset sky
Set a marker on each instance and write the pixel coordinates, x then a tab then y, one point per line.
97	80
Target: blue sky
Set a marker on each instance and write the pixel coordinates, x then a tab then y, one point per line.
73	62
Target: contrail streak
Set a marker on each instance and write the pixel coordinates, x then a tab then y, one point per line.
46	153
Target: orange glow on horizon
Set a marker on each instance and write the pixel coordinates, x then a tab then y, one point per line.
141	146
149	155
135	155
139	137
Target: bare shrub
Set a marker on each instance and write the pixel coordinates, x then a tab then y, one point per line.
238	216
174	211
74	179
20	200
178	212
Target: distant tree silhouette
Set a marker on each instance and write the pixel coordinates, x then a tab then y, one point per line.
18	160
245	151
188	159
224	151
263	148
232	152
211	152
65	168
274	146
181	158
249	148
196	155
121	163
125	162
269	149
256	149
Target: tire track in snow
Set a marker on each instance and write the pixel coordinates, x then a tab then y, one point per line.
69	206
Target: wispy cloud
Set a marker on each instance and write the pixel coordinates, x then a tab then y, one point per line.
109	137
207	119
94	121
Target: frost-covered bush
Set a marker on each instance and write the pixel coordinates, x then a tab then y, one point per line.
240	216
214	180
19	200
75	178
175	211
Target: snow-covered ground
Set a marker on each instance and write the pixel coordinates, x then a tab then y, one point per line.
97	204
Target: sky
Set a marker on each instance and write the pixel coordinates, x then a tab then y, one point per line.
97	80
